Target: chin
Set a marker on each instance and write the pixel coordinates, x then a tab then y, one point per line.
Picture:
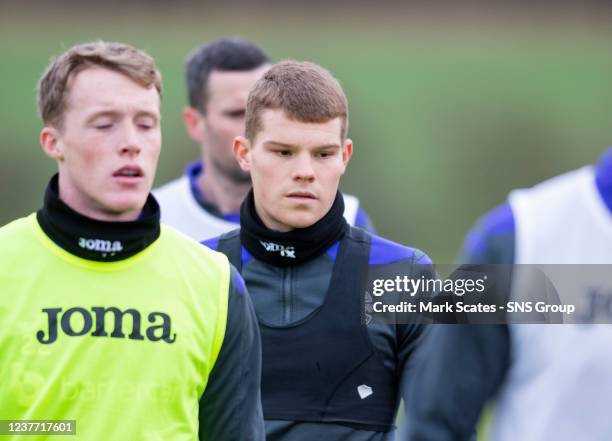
301	221
126	204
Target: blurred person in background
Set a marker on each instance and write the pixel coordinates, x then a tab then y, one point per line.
326	374
205	201
186	362
548	381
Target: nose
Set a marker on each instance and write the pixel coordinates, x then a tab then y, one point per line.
130	141
303	170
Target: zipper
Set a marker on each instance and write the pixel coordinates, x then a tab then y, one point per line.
286	295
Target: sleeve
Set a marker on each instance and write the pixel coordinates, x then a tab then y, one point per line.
362	220
230	408
410	338
492	239
458	368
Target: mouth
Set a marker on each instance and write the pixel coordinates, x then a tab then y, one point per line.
302	195
129	173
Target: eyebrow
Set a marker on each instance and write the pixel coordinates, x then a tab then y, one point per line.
113	113
293	146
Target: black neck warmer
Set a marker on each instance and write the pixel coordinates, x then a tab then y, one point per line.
93	239
293	247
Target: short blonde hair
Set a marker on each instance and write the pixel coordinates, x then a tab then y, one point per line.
119	57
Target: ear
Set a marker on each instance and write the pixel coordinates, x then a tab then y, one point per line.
242	152
50	143
194	124
347	152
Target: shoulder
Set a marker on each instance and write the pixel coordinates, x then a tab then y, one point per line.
384	251
16	227
15	234
178	238
350	201
351	208
213	242
21	245
184	247
491	239
355	214
558	188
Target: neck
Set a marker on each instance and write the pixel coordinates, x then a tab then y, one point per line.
294	247
96	239
221	191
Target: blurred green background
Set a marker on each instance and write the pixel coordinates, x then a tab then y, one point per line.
451	107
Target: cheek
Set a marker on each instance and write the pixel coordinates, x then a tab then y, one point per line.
266	180
87	153
230	132
267	171
333	173
330	180
260	180
154	141
226	128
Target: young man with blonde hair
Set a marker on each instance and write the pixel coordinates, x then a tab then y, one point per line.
109	319
205	201
326	374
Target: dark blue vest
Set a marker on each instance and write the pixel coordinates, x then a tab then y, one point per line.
324	369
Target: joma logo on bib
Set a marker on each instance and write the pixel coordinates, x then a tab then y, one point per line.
76	322
284	251
102	246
